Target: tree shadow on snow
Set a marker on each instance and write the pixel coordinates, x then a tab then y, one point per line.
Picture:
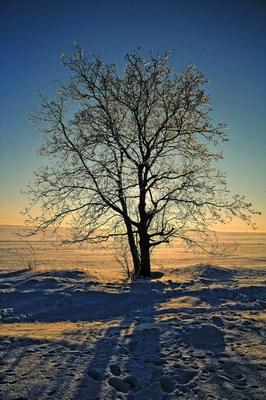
140	350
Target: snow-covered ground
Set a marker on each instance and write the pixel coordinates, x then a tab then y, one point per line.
188	333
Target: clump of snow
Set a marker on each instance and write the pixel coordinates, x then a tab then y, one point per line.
167	384
119	384
186	375
115	369
211	272
96	374
204	335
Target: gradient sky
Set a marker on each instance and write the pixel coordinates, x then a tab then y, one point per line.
225	39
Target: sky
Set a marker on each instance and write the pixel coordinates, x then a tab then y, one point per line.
224	39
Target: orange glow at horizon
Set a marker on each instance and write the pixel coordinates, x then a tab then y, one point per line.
14	217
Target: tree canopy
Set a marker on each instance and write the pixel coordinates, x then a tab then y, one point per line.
132	154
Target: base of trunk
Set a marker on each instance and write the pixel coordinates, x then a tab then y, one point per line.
145	272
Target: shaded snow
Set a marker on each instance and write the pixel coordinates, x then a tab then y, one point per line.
193	333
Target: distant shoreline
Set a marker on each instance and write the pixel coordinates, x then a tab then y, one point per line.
255	231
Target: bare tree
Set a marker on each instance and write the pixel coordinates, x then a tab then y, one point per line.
132	154
122	253
27	254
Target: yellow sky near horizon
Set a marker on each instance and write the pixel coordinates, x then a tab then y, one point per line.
12	206
235	226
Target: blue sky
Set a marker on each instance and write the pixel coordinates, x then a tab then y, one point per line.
225	39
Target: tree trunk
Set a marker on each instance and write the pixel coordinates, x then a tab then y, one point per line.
133	248
144	239
145	261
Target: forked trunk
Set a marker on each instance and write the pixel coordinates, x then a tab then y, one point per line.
145	261
136	260
133	249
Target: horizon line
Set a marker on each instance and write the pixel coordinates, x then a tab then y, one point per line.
218	231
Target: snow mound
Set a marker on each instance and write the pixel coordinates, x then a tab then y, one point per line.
71	274
204	335
212	272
